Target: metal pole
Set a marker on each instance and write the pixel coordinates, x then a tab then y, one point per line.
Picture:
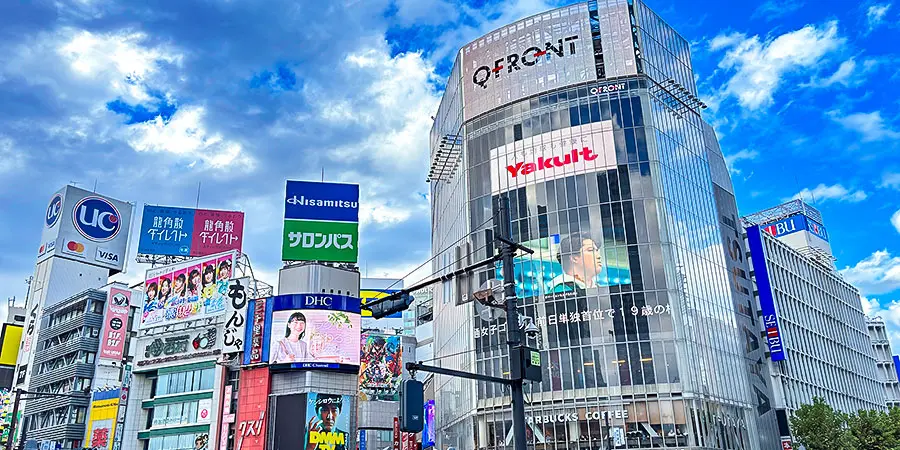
514	338
12	421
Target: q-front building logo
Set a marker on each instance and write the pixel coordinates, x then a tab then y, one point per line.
527	58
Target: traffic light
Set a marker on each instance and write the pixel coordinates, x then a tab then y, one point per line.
412	406
391	304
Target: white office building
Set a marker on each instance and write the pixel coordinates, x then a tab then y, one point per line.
884	361
812	320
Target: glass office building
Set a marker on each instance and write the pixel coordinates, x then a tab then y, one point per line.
586	119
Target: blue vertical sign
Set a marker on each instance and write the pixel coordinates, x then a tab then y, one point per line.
362	439
766	298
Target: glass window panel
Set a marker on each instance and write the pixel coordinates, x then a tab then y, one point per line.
604	110
170	442
186	441
595	110
206	380
574	117
162	384
585	114
627	121
637	111
616	112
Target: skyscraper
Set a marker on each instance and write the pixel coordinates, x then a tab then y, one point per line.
587	119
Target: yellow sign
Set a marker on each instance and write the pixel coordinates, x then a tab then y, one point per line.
364	295
102	420
12	336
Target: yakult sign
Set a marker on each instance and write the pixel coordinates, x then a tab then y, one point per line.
548	156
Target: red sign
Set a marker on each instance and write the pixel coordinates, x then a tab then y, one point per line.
250	429
397	433
408	441
115	322
216	231
100	438
786	444
256	337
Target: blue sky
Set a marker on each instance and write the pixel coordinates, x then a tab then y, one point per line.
148	101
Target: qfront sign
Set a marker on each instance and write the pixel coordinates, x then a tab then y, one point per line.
86	227
533	55
321	222
766	296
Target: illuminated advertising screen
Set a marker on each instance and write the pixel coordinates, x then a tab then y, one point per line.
187	291
175	231
428	434
381	367
328	419
314	331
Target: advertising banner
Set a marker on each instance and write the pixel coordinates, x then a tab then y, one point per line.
115	321
87	227
328	419
311	240
321	222
428	434
396	435
549	156
252	422
533	55
766	296
235	316
381	367
187	291
101	420
9	349
315	331
177	348
189	232
794	224
204	410
256	333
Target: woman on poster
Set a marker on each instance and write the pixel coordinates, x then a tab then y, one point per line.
292	348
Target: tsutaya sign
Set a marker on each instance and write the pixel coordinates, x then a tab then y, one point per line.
575	416
589	148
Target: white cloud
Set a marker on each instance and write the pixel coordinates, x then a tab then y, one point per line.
895	220
185	135
823	193
875	14
870	125
760	66
840	76
10	158
742	155
890	180
879	273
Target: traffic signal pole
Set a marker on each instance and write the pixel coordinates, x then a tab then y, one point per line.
502	232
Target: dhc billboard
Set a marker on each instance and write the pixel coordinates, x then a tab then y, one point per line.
795	223
766	299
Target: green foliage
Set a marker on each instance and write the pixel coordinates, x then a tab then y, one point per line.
819	427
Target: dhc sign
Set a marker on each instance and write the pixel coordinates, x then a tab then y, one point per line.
766	299
795	223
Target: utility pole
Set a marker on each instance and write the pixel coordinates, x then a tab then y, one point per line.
503	235
12	421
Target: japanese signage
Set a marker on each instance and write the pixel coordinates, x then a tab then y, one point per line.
187	291
381	367
396	440
189	232
429	433
204	410
314	331
115	323
533	55
256	332
766	296
235	316
176	348
328	421
251	423
227	417
321	222
83	226
101	420
548	156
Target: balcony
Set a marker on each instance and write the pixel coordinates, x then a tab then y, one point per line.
84	370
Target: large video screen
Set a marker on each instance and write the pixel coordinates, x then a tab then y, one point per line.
315	331
327	421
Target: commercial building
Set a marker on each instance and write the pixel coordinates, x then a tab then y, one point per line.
812	320
71	359
586	119
886	368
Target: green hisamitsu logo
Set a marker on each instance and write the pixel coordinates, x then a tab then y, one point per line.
312	240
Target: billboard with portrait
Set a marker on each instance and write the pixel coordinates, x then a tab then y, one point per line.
83	226
167	230
380	367
187	291
534	55
314	331
327	421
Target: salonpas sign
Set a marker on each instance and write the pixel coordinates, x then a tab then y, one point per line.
321	222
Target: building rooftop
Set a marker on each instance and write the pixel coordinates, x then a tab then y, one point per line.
781	211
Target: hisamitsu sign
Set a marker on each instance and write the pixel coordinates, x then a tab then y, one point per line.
306	200
321	222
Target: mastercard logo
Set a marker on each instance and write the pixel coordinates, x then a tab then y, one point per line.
75	247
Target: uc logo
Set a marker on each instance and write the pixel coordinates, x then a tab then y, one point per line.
54	209
96	219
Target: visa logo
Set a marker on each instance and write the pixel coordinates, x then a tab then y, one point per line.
107	256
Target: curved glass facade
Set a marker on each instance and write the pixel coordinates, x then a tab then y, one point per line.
643	341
